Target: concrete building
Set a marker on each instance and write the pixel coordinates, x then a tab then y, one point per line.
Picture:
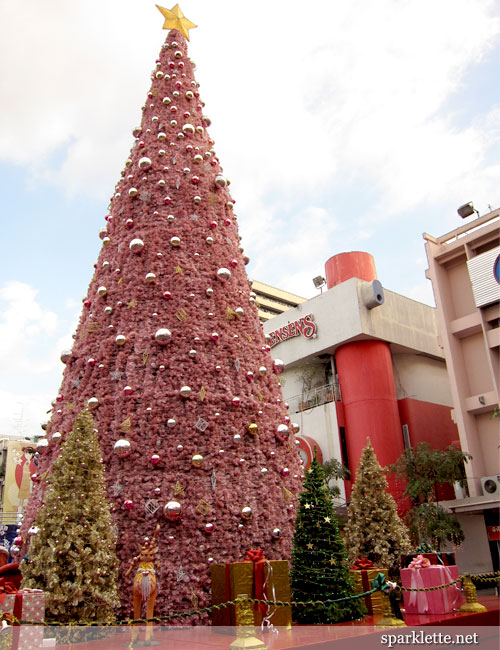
271	301
464	267
362	361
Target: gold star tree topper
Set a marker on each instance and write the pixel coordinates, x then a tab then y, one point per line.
175	19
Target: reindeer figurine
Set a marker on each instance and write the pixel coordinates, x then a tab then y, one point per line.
144	587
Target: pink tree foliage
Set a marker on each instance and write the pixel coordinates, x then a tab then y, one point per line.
171	359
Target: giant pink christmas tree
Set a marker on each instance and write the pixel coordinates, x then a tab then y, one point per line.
170	357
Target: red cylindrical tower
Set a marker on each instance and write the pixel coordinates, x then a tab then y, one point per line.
367	381
369	398
345	266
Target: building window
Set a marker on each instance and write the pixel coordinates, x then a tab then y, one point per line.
343	448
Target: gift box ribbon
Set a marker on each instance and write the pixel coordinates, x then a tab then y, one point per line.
362	563
259	576
420	562
18	601
419	598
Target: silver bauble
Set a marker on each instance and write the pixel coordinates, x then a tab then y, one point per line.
122	447
56	437
185	391
175	241
283	430
163	335
172	510
246	512
276	533
92	403
102	291
136	245
65	356
295	427
171	422
220	180
223	274
150	278
133	192
42	445
278	366
188	128
144	163
120	339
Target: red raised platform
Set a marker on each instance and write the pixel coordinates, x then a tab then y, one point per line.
420	630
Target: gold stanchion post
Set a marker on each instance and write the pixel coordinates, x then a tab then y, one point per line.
388	619
471	604
246	639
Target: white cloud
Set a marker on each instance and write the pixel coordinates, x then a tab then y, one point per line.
347	92
31	339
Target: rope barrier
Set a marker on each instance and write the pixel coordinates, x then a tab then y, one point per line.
381	585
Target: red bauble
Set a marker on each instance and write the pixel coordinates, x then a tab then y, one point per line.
155	460
128	504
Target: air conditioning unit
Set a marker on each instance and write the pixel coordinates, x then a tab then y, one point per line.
491	485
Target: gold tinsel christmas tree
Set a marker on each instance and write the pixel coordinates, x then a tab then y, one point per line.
72	549
374	529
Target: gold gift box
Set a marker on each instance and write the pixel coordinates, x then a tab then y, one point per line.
231	580
362	582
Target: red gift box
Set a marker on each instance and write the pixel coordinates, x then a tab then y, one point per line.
446	559
439	601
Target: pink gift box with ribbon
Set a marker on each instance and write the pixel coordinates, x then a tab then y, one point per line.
439	601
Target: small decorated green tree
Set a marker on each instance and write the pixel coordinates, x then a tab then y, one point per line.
374	529
425	469
319	561
72	549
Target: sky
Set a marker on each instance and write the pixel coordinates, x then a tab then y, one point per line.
342	126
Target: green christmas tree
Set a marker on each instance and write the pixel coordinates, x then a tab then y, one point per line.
374	529
319	560
72	549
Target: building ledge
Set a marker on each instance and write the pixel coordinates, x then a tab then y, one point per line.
471	504
481	403
466	325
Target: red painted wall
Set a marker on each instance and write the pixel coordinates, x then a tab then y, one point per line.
430	423
370	405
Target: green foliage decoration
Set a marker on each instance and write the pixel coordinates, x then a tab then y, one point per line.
424	469
319	560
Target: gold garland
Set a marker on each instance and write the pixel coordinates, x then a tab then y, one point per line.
11	619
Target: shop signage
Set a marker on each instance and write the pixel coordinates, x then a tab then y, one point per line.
493	533
305	327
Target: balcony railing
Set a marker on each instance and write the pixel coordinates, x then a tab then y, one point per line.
315	397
